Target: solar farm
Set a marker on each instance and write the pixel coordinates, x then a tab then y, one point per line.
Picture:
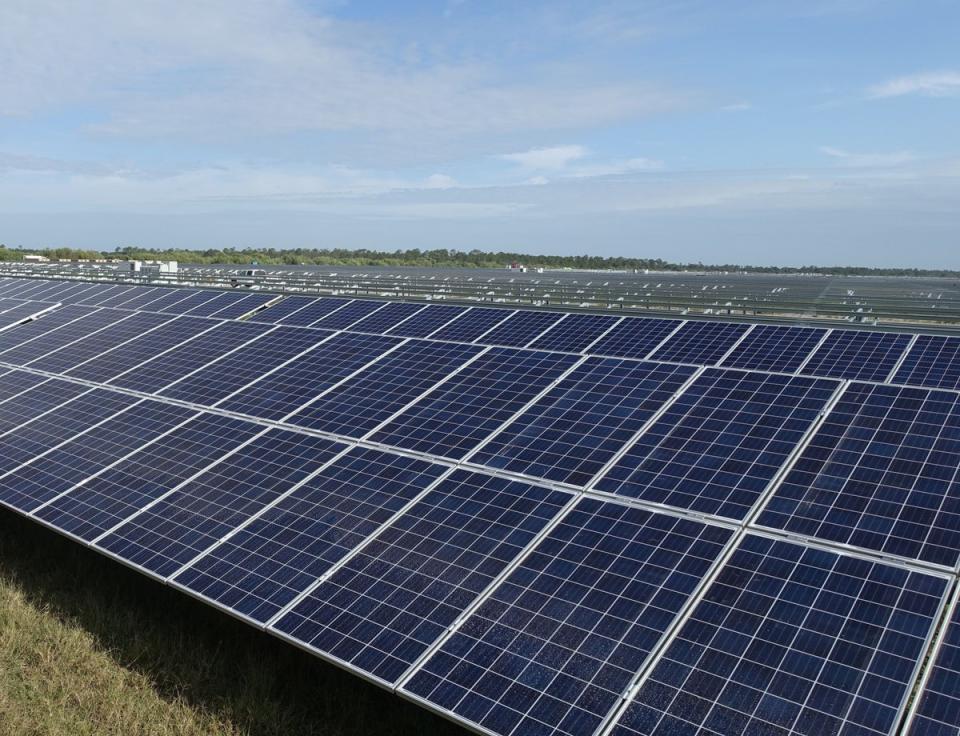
527	521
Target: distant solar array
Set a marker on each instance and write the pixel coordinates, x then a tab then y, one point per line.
531	522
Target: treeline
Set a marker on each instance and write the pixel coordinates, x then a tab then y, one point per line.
441	258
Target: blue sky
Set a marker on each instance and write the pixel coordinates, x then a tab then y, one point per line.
764	132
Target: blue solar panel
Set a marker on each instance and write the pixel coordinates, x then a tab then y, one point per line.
468	327
53	331
371	397
15	382
383	319
232	372
266	564
106	293
13	316
716	449
774	348
458	415
427	321
399	593
520	328
571	433
122	358
57	472
558	642
791	640
35	396
154	374
634	337
242	306
933	361
289	388
880	473
221	301
867	356
273	314
171	298
574	333
937	708
193	518
135	298
317	309
185	305
61	360
703	343
118	492
74	293
353	312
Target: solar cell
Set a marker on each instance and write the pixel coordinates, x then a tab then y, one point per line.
262	567
578	426
36	396
427	321
774	348
119	491
937	707
179	526
867	356
391	600
574	333
135	298
14	316
53	330
105	293
468	327
46	477
221	301
293	385
169	298
15	382
363	402
383	319
716	449
880	473
240	307
185	305
348	314
276	312
237	369
317	309
703	343
791	640
519	328
555	646
634	337
459	414
933	361
74	293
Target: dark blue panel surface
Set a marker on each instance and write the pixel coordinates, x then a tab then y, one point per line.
520	328
938	709
774	348
273	314
383	319
34	395
933	361
372	396
49	322
242	306
429	320
460	414
473	324
107	293
571	433
788	641
318	309
15	382
634	337
393	599
185	305
221	301
720	444
136	298
265	565
353	312
120	491
13	316
40	337
195	517
880	473
575	333
702	343
289	388
867	356
556	645
169	298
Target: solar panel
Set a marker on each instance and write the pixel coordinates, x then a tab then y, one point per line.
559	641
48	476
468	327
937	707
170	298
74	293
15	382
634	337
791	640
317	309
574	333
867	356
573	430
21	313
716	449
391	600
117	492
276	312
34	397
347	315
179	526
262	567
162	370
383	319
105	293
136	298
880	473
427	321
520	328
221	301
933	361
237	369
459	414
774	348
122	358
363	402
51	331
191	302
243	306
290	387
700	342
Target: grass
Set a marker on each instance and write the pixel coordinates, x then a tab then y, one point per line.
90	647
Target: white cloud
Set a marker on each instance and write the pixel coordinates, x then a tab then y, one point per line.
553	158
614	168
929	84
737	107
847	158
440	181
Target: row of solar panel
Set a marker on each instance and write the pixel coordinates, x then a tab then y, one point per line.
514	607
925	360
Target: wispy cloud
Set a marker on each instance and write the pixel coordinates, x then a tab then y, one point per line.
944	83
848	158
552	158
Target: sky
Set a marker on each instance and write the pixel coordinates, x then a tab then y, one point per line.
724	132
